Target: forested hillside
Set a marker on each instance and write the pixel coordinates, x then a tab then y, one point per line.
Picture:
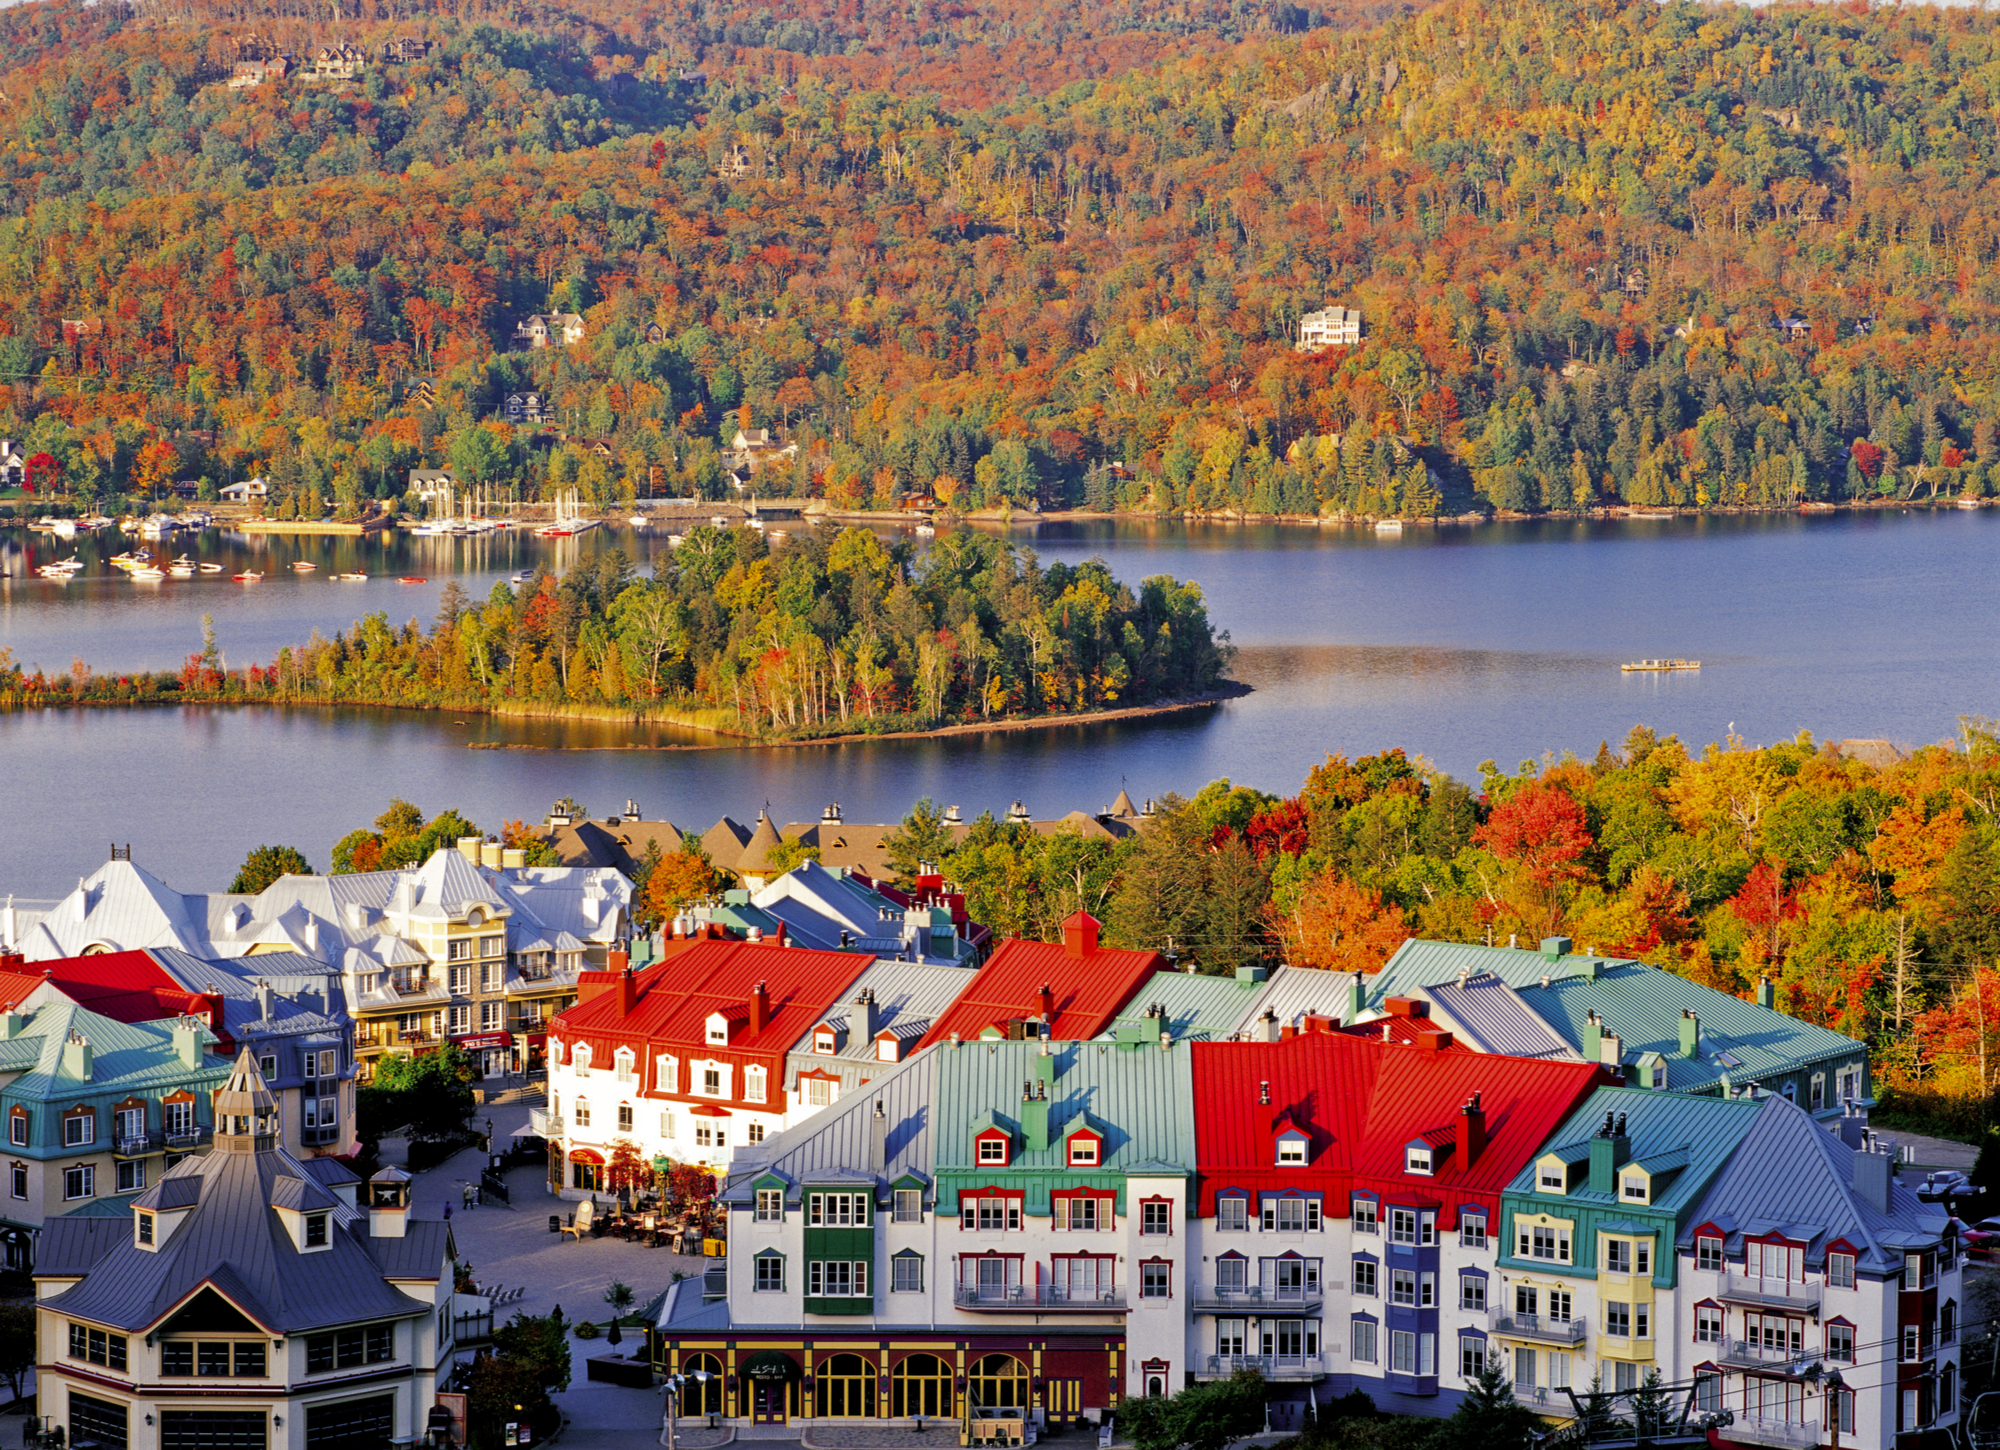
1576	229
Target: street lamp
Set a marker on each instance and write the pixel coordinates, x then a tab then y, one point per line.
1834	1385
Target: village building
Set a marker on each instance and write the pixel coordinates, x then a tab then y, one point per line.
249	1301
554	329
1329	327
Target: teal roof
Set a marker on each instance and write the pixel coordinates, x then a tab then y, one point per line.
1656	1124
1739	1040
127	1058
102	1208
1141	1101
1196	1005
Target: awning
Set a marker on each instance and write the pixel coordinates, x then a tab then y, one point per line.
770	1366
538	1039
707	1110
586	1155
484	1039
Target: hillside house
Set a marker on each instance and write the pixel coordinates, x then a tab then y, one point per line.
553	329
524	408
341	62
249	74
405	51
1329	327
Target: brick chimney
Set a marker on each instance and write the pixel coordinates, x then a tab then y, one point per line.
618	959
1045	1002
760	1008
628	992
1471	1132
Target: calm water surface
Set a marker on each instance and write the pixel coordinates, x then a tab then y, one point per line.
1462	645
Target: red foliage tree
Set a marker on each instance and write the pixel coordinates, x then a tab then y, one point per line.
1868	458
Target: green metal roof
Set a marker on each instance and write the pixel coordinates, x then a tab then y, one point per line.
1656	1124
1142	1101
127	1058
1739	1040
1197	1006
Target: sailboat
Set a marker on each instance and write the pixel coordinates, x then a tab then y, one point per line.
568	521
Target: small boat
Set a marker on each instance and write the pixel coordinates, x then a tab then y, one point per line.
1388	526
181	571
144	556
63	528
304	566
922	531
210	568
521	576
1971	503
1650	667
674	541
350	578
147	573
638	521
249	576
412	579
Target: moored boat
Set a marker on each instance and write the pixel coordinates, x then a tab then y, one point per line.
248	576
350	578
412	579
1658	666
210	568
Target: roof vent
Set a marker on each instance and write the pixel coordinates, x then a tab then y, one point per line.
1264	1093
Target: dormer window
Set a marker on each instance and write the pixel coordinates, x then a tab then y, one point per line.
145	1230
1633	1188
582	1057
823	1041
1552	1176
316	1231
993	1149
1417	1159
1085	1151
718	1030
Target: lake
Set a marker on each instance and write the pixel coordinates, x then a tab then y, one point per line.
1459	644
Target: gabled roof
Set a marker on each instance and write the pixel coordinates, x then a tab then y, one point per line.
909	996
1140	1102
1642	1004
127	986
1292	991
1487	1015
1195	1005
1708	1129
127	1057
1363	1101
1088	989
841	1136
675	998
1789	1173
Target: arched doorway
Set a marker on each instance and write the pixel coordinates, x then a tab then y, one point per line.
920	1384
998	1382
844	1388
701	1396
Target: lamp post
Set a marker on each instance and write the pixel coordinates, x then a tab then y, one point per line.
1834	1385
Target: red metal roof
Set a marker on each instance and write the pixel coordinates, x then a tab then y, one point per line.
124	986
1089	988
1361	1102
1420	1031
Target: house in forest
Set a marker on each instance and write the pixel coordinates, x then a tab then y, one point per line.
524	408
405	51
13	464
554	329
251	490
655	332
431	485
1329	327
422	392
249	74
341	62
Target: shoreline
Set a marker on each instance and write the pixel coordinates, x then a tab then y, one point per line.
1232	690
612	715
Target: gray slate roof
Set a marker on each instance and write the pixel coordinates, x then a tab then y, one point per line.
1791	1174
909	996
1490	1016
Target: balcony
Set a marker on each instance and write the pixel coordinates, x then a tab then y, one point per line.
1247	1298
1770	1293
1781	1434
1744	1354
1036	1299
184	1140
1538	1327
1545	1399
1291	1368
137	1145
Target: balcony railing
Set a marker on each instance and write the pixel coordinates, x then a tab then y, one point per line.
1293	1367
1256	1296
180	1140
1001	1298
1747	1354
1772	1293
1535	1326
138	1145
1783	1434
1546	1398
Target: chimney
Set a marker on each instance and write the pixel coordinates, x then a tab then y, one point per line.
1853	1124
628	992
468	847
1872	1178
1267	1025
1555	946
1357	996
1034	1116
265	999
1471	1132
778	934
489	853
1611	1049
1408	1007
312	936
11	1024
187	1043
1045	1003
618	959
878	1139
1264	1094
867	1020
211	1003
1690	1034
1046	1066
1609	1151
388	1198
1080	936
513	858
1767	995
760	1008
10	936
76	1058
